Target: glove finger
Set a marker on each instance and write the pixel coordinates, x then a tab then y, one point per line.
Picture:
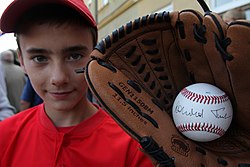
239	70
215	35
228	63
191	40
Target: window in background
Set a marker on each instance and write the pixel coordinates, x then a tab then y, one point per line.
105	2
102	4
220	6
219	3
89	2
248	14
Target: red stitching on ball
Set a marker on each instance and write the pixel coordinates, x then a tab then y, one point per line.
205	99
201	127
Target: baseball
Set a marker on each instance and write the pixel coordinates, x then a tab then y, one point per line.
202	112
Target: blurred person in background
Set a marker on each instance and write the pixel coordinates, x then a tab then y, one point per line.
233	15
6	110
14	78
29	97
16	61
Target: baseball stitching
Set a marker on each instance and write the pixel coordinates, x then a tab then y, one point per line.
201	127
205	99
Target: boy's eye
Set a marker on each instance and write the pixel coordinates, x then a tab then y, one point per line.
74	57
40	59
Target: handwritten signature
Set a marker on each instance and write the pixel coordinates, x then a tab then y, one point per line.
217	113
181	109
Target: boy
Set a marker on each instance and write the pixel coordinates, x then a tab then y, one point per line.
55	37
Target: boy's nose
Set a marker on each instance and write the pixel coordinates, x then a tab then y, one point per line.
59	76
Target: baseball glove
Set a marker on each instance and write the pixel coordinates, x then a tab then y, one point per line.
137	71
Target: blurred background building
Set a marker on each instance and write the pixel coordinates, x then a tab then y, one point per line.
111	14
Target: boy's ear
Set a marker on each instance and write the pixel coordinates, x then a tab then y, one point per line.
20	57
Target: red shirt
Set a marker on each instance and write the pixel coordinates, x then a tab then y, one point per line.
29	139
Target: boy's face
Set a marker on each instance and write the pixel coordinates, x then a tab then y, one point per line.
49	55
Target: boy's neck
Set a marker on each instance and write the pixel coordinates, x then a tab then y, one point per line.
71	118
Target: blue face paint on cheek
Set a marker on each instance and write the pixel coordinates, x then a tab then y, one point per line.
80	70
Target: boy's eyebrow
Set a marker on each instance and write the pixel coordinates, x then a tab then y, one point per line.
75	48
81	48
37	50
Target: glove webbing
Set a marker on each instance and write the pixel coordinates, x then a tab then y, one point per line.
135	25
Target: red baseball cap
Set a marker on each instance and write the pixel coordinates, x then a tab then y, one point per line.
17	8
